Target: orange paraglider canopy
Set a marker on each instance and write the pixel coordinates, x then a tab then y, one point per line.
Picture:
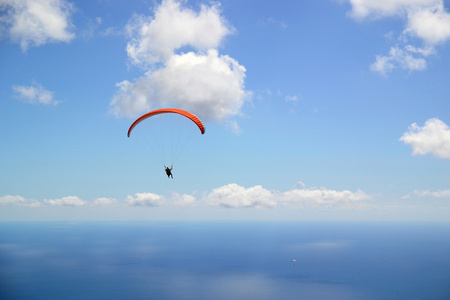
187	114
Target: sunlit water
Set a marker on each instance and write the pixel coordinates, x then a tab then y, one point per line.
206	260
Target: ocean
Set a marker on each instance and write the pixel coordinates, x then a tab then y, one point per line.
224	260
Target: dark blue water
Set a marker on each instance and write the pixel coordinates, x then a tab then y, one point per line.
206	260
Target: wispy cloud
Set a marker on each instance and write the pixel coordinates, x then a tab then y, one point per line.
201	81
429	194
34	93
234	127
279	23
408	58
91	28
433	137
36	22
292	98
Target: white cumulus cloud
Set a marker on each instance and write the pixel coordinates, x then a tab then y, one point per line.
426	20
235	196
73	201
103	201
16	200
184	200
34	93
144	199
433	137
172	27
431	24
202	81
209	84
11	199
36	22
322	197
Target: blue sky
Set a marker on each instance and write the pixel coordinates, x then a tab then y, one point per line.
314	110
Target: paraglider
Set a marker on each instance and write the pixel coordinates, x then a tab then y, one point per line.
166	131
169	171
168	110
293	261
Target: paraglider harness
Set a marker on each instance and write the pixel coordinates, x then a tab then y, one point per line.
169	171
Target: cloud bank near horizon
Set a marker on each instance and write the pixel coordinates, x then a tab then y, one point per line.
230	196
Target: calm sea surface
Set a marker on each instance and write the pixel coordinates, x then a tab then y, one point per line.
235	260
